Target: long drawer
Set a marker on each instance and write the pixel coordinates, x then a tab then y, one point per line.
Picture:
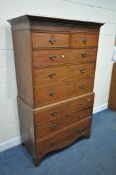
61	122
49	76
84	40
52	94
40	40
54	111
64	136
63	56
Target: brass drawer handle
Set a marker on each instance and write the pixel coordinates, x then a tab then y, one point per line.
83	70
53	142
53	114
82	86
53	126
52	93
52	75
84	54
52	57
85	41
52	40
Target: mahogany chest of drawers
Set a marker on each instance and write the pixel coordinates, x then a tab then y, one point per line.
55	66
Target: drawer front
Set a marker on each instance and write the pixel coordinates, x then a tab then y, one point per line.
64	136
51	94
84	40
40	40
61	122
49	76
55	111
64	56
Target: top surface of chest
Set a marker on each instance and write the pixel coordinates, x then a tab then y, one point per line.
56	24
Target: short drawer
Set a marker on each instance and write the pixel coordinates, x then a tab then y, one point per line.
53	126
54	57
84	40
64	136
40	40
52	112
52	94
50	76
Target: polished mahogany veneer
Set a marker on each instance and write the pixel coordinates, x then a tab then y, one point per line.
55	67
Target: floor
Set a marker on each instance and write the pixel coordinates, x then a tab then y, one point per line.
94	156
